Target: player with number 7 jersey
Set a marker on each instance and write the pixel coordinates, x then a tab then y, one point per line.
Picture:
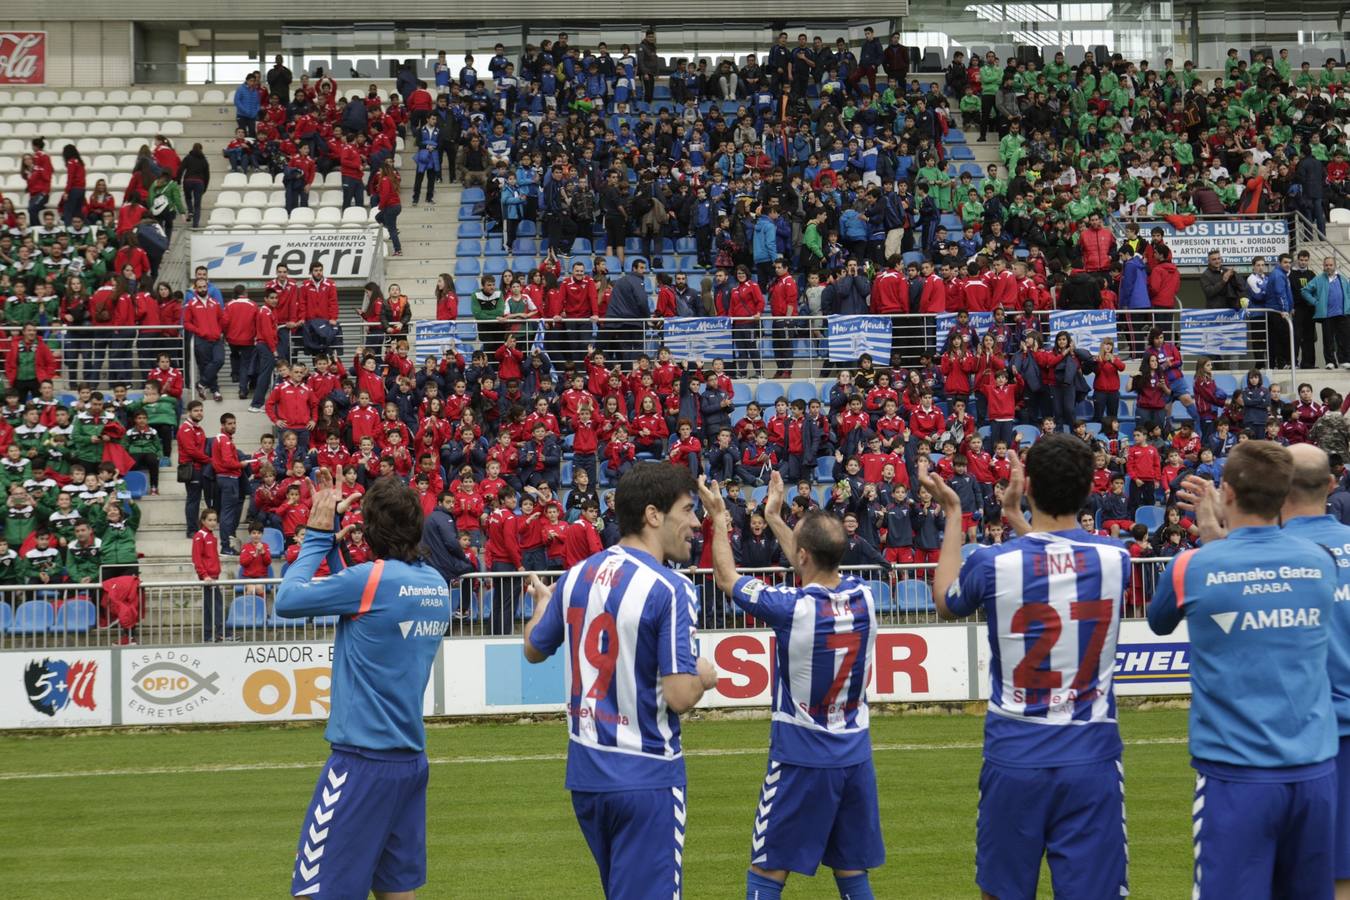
630	667
1053	779
818	803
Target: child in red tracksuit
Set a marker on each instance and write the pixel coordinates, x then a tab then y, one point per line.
255	559
554	532
206	560
1144	466
585	442
620	454
294	513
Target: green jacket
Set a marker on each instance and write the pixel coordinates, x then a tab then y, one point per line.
991	78
84	562
82	444
119	541
171	192
162	412
1317	291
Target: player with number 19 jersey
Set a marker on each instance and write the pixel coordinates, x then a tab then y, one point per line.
818	803
1053	776
627	621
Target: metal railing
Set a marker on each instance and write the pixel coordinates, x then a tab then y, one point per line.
40	616
103	355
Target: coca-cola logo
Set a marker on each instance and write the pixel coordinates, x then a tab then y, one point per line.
23	57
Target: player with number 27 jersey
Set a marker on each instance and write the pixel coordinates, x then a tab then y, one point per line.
1053	774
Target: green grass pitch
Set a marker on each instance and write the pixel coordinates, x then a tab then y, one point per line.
215	813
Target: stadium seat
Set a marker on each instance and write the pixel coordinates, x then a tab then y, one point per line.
467	267
248	217
6	617
32	617
248	611
825	468
913	595
471	195
275	541
741	393
767	393
1026	434
801	390
327	217
138	483
75	616
881	596
302	215
470	230
1151	516
355	217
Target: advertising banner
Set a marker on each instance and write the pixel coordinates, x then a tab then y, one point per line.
55	688
1238	240
852	336
345	254
23	57
698	338
1088	327
433	339
1212	332
979	323
235	683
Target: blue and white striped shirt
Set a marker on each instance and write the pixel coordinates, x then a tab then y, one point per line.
1053	605
628	621
825	641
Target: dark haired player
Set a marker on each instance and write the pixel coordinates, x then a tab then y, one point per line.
1053	782
630	669
365	829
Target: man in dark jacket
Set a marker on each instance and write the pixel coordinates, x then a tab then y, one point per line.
628	305
1220	284
850	295
355	118
895	60
451	130
279	79
440	541
1311	177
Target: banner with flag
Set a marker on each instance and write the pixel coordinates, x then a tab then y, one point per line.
705	338
979	323
852	336
1088	327
432	338
1213	332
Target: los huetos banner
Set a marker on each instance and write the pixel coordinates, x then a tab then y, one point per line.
23	57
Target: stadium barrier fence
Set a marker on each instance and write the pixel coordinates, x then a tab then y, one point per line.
102	356
491	604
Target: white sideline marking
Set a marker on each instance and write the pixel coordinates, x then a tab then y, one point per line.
482	760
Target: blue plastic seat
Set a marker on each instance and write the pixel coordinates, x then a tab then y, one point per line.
464	286
767	393
913	256
960	151
527	229
1026	434
526	247
1180	411
914	595
581	246
954	137
758	494
801	390
469	248
467	267
1152	516
470	230
77	615
471	195
740	392
1226	383
276	621
881	596
248	611
466	214
138	483
494	265
825	468
951	223
275	541
494	245
32	617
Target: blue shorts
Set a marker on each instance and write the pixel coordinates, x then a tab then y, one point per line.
1342	850
1264	839
809	816
637	839
1074	816
366	828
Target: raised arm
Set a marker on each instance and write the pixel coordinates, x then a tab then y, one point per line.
949	558
773	515
724	561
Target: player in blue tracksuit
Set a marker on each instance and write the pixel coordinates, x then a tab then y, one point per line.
365	828
1263	733
1304	515
819	799
1053	781
630	668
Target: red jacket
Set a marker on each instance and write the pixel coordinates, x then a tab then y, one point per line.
192	444
292	405
317	300
579	542
578	298
1003	290
241	316
203	317
170	381
255	561
746	301
1108	375
387	193
1163	283
933	300
206	554
288	300
46	362
503	538
890	293
1097	244
350	161
265	328
420	100
783	296
225	458
926	423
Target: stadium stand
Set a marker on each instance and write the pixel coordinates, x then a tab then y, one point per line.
977	189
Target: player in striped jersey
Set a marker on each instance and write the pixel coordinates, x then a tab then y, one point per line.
1052	778
630	668
819	799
